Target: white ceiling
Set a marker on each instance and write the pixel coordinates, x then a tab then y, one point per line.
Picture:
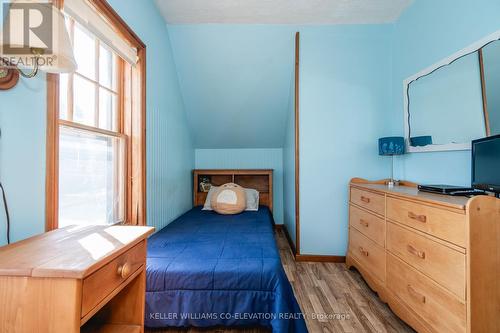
282	11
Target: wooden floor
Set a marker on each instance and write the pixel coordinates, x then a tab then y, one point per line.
328	291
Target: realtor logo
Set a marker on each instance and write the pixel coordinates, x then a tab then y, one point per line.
27	26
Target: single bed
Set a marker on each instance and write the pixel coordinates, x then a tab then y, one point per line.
206	269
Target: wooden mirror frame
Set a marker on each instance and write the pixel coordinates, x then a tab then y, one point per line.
475	47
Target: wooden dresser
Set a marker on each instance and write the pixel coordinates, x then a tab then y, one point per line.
75	279
434	259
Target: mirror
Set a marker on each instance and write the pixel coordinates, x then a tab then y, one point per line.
490	62
455	101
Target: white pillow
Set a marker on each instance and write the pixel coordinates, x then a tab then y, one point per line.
252	199
208	200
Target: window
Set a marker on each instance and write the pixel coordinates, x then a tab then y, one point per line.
96	123
91	143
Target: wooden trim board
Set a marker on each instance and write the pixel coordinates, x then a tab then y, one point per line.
234	171
308	257
297	145
319	258
483	90
52	154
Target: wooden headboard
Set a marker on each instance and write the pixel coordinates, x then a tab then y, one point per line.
259	179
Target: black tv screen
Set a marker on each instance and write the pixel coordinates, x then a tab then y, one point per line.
486	164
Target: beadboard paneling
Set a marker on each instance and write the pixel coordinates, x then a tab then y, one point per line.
169	149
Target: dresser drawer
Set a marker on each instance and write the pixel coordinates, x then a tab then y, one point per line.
370	255
443	264
368	224
102	282
439	308
441	223
369	200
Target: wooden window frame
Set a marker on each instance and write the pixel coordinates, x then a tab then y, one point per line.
115	91
133	122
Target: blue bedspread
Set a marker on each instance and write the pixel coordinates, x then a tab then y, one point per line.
206	269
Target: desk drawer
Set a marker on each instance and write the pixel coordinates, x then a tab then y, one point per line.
369	254
369	200
444	265
438	222
439	308
368	224
102	282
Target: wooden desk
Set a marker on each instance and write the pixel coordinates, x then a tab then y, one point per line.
75	279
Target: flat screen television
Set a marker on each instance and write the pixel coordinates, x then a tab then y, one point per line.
486	164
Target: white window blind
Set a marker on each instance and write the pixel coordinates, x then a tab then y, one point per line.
85	14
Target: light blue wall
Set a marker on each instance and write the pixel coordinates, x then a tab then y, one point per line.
345	100
170	153
427	32
22	157
248	159
289	167
234	78
345	106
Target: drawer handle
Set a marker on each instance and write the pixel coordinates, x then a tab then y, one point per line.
363	223
415	252
363	251
415	294
124	270
365	199
420	218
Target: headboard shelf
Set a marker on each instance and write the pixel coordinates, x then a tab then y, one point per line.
259	179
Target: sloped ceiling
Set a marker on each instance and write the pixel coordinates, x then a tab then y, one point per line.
235	81
236	78
282	11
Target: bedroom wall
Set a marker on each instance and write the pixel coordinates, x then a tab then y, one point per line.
170	154
346	99
258	158
235	83
22	157
427	32
345	106
234	80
